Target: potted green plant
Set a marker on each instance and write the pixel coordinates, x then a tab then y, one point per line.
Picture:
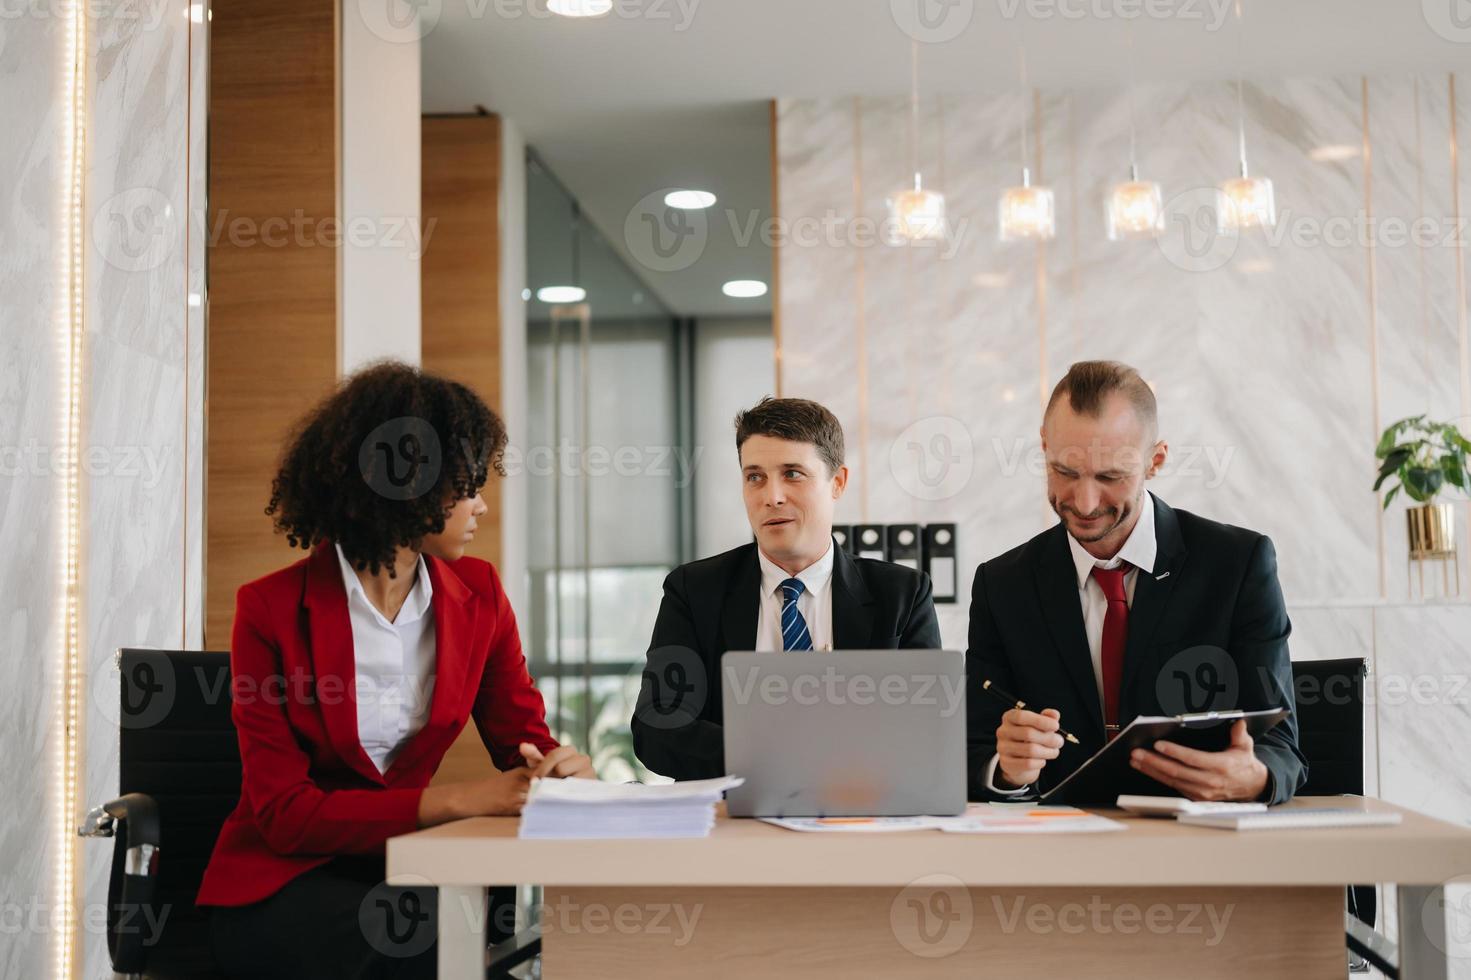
1424	458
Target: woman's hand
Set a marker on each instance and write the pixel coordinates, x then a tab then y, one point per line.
504	794
560	763
500	795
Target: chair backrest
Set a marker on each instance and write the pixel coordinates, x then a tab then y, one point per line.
177	744
1330	718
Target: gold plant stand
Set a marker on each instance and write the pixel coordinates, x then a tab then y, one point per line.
1432	530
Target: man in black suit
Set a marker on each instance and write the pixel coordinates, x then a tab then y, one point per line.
793	589
1127	607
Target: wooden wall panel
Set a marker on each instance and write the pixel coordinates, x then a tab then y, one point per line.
460	288
273	167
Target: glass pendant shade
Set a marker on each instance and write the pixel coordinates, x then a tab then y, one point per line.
1135	210
1249	203
916	215
1027	213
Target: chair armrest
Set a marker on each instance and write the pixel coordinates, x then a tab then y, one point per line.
134	878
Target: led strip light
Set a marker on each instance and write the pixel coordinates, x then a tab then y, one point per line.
71	324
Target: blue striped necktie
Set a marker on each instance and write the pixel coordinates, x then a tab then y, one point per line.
794	633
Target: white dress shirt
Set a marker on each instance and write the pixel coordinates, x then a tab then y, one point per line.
815	603
1139	551
393	664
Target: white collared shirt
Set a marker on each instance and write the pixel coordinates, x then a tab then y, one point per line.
393	664
815	603
1139	551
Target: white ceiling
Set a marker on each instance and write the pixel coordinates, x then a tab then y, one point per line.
664	93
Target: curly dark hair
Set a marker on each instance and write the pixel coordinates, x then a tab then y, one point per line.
379	463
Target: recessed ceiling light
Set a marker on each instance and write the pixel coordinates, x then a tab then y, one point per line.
525	295
580	8
744	288
689	200
561	294
1333	152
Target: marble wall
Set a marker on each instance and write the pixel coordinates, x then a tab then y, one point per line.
143	374
1277	357
30	518
141	383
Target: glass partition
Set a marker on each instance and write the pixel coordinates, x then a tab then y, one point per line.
607	485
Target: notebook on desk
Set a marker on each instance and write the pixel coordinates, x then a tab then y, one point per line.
1107	774
1293	818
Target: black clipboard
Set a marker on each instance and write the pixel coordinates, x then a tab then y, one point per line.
1100	780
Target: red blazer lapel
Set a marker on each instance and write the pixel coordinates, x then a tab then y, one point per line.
330	634
455	617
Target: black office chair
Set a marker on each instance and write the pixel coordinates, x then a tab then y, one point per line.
179	778
1330	718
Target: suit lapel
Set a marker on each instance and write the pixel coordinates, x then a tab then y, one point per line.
742	606
330	630
852	606
1057	588
1152	591
455	615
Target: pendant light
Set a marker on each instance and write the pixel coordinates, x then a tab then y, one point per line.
1026	213
915	214
1135	207
1249	201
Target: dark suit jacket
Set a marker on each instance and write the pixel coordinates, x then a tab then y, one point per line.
713	605
1207	631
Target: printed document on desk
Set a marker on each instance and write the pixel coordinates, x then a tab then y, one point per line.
978	818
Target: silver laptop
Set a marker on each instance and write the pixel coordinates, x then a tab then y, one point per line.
845	733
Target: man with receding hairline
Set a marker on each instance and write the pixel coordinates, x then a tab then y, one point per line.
1098	619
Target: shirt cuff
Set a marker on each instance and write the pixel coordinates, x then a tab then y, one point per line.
1270	793
991	780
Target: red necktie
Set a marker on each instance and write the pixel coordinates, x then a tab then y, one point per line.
1115	637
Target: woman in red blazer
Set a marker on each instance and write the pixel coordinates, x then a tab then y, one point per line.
353	672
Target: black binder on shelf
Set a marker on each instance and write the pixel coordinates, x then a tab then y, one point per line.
903	544
843	537
1107	775
868	541
940	561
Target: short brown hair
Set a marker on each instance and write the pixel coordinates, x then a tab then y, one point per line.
796	420
1088	383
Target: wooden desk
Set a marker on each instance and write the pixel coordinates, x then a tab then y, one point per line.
1159	900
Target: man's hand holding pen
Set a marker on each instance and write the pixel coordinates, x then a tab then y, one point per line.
1026	740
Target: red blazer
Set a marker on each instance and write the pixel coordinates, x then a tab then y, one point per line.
308	791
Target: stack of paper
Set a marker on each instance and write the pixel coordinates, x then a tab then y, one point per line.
585	809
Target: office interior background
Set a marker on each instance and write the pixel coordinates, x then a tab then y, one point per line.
213	213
